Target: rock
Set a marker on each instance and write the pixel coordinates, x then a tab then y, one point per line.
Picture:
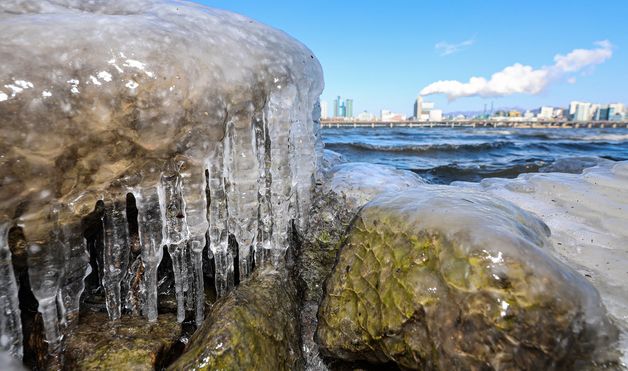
254	326
588	215
330	217
442	278
130	343
347	187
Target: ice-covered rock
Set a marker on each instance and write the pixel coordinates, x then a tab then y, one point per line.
587	214
346	188
254	327
360	182
206	119
440	277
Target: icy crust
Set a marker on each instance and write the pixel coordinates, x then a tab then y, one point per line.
440	277
587	214
209	119
360	182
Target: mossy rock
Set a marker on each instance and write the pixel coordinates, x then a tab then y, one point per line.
254	327
440	278
130	343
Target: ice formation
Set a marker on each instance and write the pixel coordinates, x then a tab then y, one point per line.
587	214
360	182
10	322
439	277
206	118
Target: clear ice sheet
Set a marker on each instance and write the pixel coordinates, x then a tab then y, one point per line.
208	118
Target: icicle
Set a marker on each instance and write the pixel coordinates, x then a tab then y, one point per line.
279	119
77	268
218	232
150	209
10	321
176	232
265	221
242	173
318	143
303	156
175	250
76	264
115	253
194	184
45	272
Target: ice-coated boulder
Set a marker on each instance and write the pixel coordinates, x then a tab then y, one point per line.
588	215
254	327
346	188
443	278
205	121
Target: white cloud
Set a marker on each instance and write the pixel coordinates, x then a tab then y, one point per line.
445	48
577	59
523	79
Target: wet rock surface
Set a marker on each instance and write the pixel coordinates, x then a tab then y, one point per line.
441	278
347	187
128	344
254	327
587	215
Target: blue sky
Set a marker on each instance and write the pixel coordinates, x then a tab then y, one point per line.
382	53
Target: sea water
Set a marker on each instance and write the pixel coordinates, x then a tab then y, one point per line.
444	155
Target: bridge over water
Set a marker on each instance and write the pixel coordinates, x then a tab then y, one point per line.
475	124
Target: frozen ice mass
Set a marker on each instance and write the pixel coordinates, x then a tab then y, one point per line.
207	120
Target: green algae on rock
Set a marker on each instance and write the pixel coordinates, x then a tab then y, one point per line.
442	278
347	187
254	327
128	344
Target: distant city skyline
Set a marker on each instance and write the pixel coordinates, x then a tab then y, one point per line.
424	110
537	53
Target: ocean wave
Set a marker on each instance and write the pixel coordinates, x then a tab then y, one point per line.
422	148
579	138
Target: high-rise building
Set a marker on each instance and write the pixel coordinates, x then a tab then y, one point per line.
546	112
616	111
324	113
580	111
337	107
418	107
422	109
349	108
601	114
